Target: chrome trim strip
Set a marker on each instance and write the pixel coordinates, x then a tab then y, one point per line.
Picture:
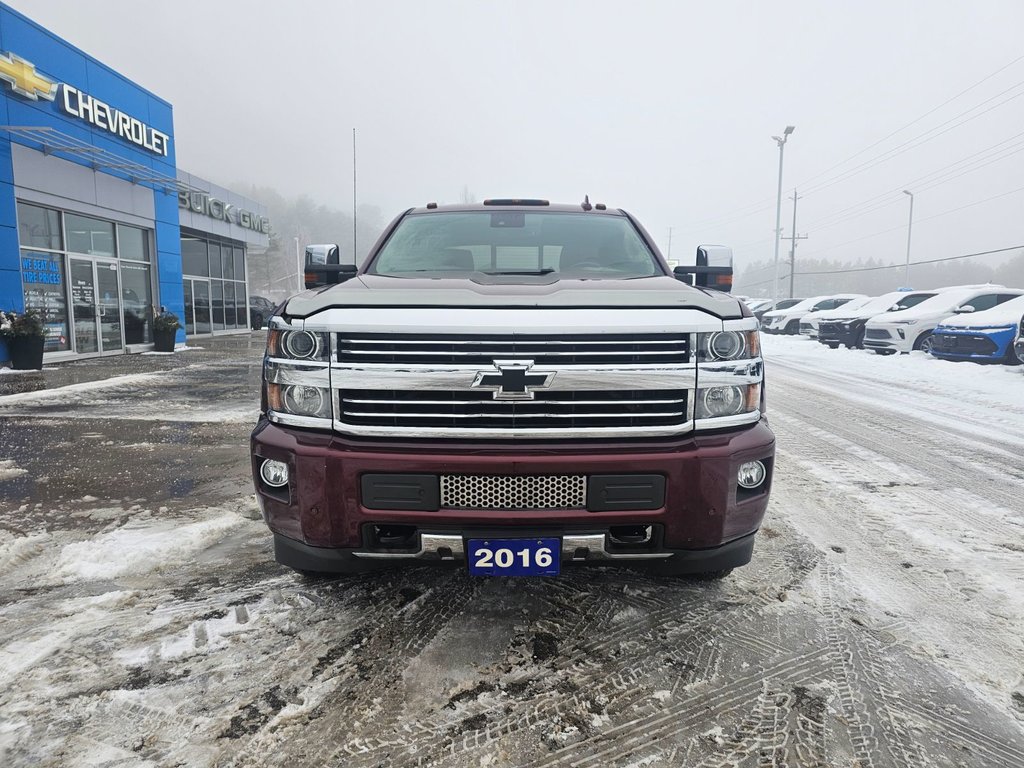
724	422
730	372
524	340
534	433
289	419
546	401
484	352
289	373
530	415
431	545
594	545
569	379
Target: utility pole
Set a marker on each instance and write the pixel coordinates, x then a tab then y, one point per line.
793	237
668	256
781	141
298	262
910	226
355	258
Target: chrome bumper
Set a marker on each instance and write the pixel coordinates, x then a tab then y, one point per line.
575	548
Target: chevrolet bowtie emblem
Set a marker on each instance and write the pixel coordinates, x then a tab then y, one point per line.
21	75
513	381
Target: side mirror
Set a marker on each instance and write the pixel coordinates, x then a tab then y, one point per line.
317	275
964	309
715	278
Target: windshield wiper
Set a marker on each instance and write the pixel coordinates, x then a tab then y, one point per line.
545	271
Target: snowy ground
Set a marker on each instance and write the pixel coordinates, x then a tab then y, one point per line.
143	622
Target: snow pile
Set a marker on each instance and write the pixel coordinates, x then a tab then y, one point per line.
43	395
140	546
8	469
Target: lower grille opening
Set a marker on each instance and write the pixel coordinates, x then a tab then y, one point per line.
630	534
403	537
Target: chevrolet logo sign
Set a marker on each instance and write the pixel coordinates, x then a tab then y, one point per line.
21	75
513	381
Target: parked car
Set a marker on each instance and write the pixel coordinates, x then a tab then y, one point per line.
846	324
787	320
1018	345
912	328
980	336
780	304
810	323
260	310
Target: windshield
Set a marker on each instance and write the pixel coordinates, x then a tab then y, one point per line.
913	300
570	245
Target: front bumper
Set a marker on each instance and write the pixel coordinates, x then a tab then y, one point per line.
840	333
980	346
893	340
321	510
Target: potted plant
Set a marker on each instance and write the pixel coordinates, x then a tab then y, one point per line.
165	327
25	337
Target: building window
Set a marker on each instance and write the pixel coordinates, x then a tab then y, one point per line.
215	288
96	294
92	237
38	227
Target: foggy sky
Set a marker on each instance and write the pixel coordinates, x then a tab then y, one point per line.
665	109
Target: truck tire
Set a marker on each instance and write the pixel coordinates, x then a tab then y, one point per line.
257	321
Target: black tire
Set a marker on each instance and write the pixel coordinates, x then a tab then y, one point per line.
924	343
884	351
257	321
858	343
792	327
1010	358
833	345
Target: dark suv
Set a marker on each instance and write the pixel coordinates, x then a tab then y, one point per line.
260	310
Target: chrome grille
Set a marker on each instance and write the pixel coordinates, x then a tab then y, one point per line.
550	409
544	350
513	491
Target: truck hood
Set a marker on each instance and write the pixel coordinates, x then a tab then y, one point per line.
512	292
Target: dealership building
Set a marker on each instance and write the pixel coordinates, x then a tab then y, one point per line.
99	228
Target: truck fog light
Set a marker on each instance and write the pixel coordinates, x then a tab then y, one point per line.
751	474
301	344
304	401
722	401
274	473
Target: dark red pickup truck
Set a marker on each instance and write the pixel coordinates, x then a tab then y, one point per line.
511	387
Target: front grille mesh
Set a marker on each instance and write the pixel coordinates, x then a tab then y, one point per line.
513	492
545	350
877	333
962	344
550	409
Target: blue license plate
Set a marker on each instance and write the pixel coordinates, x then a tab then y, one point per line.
515	557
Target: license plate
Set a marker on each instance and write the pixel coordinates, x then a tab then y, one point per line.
515	557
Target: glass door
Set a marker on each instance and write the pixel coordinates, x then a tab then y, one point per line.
108	304
96	306
201	299
190	319
83	306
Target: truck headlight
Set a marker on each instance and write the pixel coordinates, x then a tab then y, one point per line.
728	345
300	400
297	345
733	400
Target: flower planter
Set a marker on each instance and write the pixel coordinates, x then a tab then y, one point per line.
26	352
163	341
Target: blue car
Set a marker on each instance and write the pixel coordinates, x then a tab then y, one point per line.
986	336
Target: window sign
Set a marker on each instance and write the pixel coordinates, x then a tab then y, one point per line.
42	276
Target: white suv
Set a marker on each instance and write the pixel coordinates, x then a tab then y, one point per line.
912	328
788	320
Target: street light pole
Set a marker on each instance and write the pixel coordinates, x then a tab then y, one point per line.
781	141
910	226
298	262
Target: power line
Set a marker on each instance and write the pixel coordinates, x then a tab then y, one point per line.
927	218
916	120
891	266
